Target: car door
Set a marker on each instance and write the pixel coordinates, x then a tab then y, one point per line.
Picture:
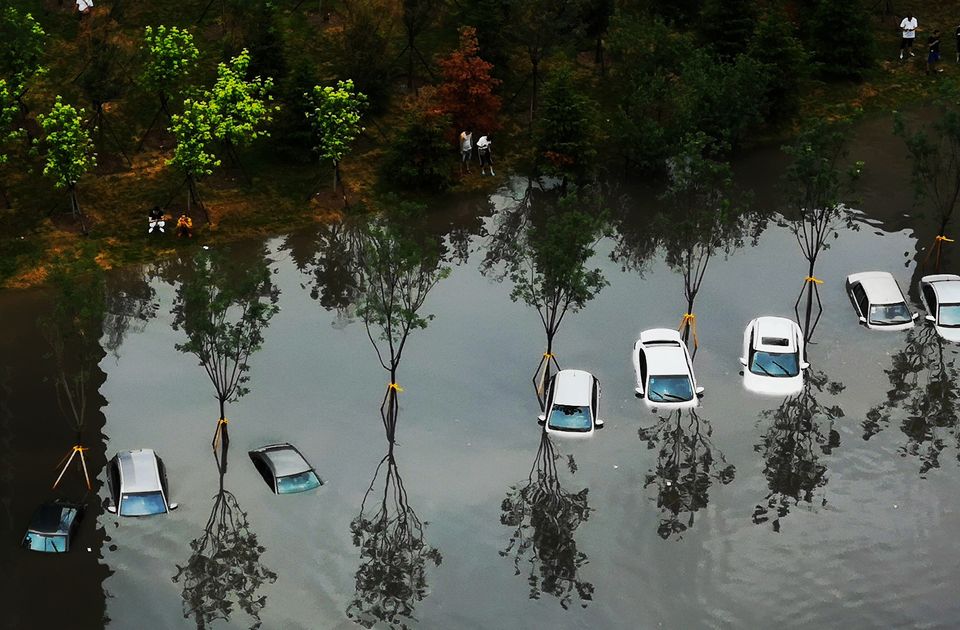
747	343
860	300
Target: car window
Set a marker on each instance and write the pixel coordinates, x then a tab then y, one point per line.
776	364
861	297
163	476
667	389
570	418
50	543
298	483
142	504
931	298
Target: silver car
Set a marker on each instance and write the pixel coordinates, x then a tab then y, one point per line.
138	484
284	469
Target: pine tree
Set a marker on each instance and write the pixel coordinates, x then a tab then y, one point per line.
727	26
775	45
566	132
840	38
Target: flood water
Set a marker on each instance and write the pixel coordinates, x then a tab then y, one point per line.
834	508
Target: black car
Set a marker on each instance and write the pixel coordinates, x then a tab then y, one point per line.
53	526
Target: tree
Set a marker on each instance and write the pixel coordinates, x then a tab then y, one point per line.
193	155
240	106
417	15
841	38
223	309
22	50
784	60
364	50
595	17
171	56
934	152
9	131
418	156
103	78
335	119
466	94
815	185
69	151
72	328
728	26
566	132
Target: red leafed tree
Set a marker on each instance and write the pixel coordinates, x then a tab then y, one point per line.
467	91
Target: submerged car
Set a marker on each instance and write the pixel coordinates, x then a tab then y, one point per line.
941	297
284	469
773	358
664	370
573	402
138	484
53	526
879	302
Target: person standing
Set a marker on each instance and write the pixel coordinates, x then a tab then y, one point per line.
466	149
956	34
908	27
486	158
933	51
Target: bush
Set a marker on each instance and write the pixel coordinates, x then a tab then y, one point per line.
420	156
840	38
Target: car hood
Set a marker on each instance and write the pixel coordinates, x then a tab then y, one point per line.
950	334
574	435
894	328
770	385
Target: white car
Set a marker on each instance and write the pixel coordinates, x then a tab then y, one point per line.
773	358
941	297
138	484
879	301
573	402
664	370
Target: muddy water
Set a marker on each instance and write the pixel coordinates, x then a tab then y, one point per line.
840	517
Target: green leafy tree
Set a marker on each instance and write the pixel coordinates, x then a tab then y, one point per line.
776	46
335	119
728	25
934	151
69	150
840	36
223	308
566	132
171	56
9	130
418	156
364	50
241	106
21	50
193	156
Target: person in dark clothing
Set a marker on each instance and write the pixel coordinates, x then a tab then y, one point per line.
156	221
933	52
956	34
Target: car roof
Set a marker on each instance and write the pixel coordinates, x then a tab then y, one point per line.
775	328
946	286
53	518
283	459
573	387
660	334
138	470
880	287
666	357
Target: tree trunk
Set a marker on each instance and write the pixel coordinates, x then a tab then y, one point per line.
533	93
336	175
809	308
75	209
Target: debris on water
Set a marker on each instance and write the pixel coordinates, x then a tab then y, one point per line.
615	466
89	549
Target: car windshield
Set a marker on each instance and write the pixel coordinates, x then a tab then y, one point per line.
570	418
779	364
669	389
890	314
949	315
142	504
50	543
297	483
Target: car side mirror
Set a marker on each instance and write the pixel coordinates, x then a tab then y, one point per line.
914	316
541	419
863	320
700	391
598	423
804	365
639	392
743	361
930	318
173	506
112	509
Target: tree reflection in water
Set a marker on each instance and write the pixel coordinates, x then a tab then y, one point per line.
224	567
923	379
544	517
398	268
801	429
687	465
130	303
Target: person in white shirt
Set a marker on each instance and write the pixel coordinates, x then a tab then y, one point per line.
84	6
466	149
908	26
486	159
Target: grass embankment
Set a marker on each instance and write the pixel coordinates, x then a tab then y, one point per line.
116	196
